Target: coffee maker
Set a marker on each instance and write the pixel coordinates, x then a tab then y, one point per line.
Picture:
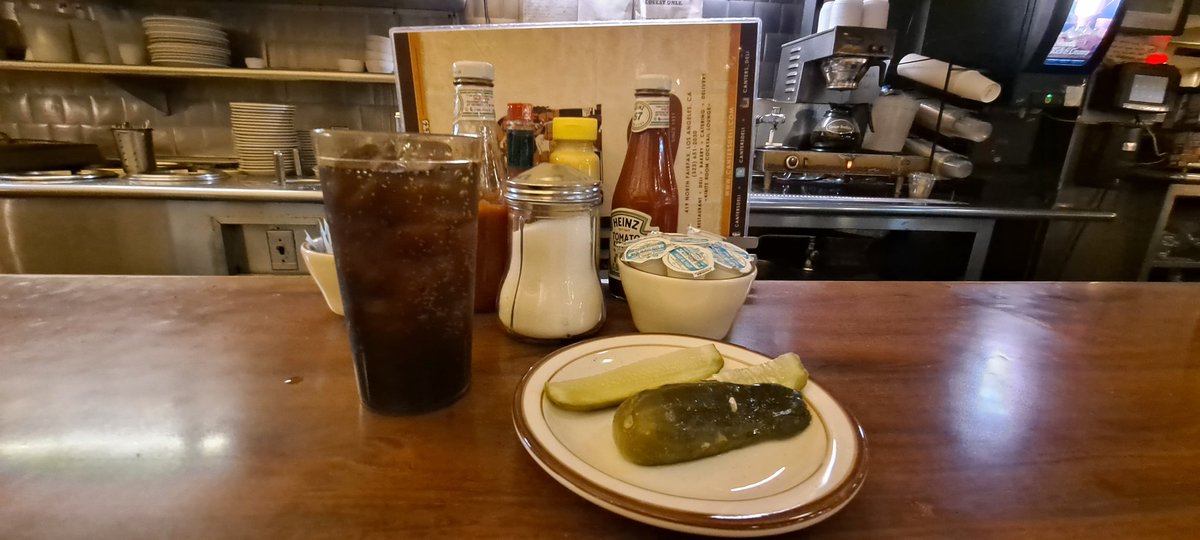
841	69
841	65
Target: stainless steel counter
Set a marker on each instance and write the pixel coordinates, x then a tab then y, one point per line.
761	204
234	188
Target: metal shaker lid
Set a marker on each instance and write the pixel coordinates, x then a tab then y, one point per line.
553	183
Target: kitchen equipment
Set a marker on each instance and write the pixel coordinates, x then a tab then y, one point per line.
773	119
834	173
837	131
135	147
176	175
57	177
840	65
43	155
1136	87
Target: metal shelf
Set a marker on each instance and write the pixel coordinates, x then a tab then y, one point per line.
1175	264
199	72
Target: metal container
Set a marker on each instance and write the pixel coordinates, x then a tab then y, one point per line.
136	148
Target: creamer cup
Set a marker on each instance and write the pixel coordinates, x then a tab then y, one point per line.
690	262
701	233
646	249
725	257
681	240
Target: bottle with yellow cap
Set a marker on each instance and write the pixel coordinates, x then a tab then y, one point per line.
575	144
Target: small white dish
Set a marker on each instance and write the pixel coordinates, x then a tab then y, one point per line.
253	62
380	67
768	488
350	65
379	43
695	307
323	270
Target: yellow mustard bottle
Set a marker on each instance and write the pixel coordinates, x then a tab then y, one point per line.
575	144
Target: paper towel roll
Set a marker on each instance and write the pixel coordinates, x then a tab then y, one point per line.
964	82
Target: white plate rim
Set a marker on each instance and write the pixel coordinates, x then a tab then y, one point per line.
527	403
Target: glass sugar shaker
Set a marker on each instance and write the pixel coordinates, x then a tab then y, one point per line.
551	290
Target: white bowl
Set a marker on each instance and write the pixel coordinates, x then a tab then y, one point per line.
379	57
695	307
350	65
380	67
322	269
379	43
253	62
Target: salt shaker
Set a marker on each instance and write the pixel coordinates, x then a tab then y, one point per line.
551	289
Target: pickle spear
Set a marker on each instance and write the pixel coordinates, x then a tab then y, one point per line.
615	385
683	422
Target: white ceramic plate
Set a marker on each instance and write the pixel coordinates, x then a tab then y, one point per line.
178	20
768	488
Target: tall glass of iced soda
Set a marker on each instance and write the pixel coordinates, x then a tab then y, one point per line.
402	211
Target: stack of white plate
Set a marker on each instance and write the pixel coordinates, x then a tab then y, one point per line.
185	41
259	129
380	54
308	155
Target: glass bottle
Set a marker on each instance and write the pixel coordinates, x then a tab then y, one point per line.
575	144
520	138
552	290
645	198
475	115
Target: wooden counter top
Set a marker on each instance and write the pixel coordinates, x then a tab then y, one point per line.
156	407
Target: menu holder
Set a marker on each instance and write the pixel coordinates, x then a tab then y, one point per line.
591	67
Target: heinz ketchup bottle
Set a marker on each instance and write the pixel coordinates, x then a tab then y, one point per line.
645	198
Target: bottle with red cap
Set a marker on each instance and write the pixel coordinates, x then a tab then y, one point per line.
520	138
646	198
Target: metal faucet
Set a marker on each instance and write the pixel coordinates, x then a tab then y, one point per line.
281	166
774	118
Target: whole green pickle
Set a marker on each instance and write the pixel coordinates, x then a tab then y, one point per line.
682	422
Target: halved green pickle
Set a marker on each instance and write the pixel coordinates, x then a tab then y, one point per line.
682	422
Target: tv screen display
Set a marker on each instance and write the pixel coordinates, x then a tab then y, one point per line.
1087	24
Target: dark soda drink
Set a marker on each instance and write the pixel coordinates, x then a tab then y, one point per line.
402	213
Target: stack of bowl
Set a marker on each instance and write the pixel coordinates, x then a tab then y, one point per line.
381	55
259	129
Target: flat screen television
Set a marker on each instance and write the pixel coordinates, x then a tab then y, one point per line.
1086	28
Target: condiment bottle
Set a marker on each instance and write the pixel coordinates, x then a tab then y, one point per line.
520	138
575	144
645	198
475	115
552	288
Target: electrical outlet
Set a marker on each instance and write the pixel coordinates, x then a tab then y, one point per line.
282	244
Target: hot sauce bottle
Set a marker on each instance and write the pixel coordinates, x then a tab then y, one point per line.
475	115
645	198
